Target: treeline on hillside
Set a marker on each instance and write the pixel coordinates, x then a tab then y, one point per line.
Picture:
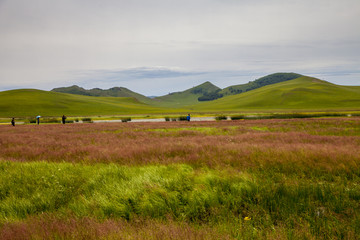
207	90
97	92
211	96
271	79
258	83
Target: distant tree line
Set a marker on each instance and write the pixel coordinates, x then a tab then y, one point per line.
211	96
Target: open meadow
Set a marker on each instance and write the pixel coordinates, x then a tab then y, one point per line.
241	179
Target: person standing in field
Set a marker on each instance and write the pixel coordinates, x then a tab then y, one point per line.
13	122
38	119
188	117
63	119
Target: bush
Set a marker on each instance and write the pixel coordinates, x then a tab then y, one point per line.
211	96
86	120
182	118
221	117
126	119
32	120
238	117
50	120
167	119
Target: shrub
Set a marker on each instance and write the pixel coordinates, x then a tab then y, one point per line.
238	117
182	118
128	119
167	119
86	120
51	120
221	117
32	120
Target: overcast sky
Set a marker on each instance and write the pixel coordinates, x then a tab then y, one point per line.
159	46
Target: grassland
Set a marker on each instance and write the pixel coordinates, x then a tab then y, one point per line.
184	98
304	93
31	102
247	179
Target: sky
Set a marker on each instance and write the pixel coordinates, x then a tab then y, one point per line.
154	47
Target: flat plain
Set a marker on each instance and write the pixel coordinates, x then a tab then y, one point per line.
243	179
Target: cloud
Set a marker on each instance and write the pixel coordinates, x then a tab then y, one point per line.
46	44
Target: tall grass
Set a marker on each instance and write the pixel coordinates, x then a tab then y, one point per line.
290	116
214	144
251	179
50	226
270	197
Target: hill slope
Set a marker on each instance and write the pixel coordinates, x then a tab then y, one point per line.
304	93
261	82
31	102
185	98
97	92
301	93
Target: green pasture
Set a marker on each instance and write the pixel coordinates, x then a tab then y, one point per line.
30	102
300	94
249	204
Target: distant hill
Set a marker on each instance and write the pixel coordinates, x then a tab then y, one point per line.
97	92
203	92
258	83
187	97
32	102
299	94
304	93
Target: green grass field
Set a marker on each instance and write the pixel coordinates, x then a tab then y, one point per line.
304	93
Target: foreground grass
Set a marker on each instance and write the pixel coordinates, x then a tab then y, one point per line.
251	179
279	202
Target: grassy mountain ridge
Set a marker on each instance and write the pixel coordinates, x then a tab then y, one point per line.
32	102
187	97
300	93
97	92
203	92
304	93
261	82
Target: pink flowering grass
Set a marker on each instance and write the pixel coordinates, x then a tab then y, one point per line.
49	226
291	179
330	144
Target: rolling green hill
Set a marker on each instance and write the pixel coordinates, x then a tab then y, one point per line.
302	93
261	82
185	98
97	92
31	102
204	92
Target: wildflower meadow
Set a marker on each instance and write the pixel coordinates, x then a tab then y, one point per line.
231	179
